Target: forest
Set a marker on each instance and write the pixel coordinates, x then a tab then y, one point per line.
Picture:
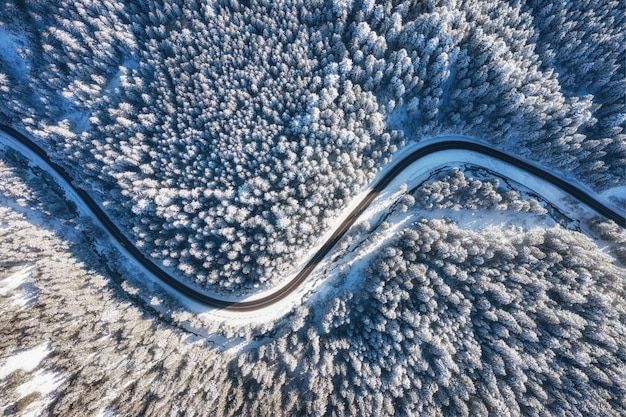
224	137
442	320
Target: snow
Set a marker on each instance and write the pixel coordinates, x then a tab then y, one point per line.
43	382
116	81
10	45
26	360
9	142
105	412
18	288
80	120
617	195
479	220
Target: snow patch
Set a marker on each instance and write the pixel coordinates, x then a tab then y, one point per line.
480	220
18	288
105	412
26	360
116	81
44	383
79	120
616	195
10	45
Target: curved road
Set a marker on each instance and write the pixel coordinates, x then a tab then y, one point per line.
283	292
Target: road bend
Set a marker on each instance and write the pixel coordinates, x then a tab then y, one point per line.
281	293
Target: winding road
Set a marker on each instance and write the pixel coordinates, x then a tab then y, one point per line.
375	191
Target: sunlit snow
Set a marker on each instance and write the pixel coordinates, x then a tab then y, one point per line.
18	288
26	360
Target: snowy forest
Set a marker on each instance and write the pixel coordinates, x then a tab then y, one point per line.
523	319
225	137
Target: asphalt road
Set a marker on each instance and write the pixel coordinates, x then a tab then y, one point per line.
283	292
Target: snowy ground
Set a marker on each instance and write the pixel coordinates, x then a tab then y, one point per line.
41	384
18	289
27	360
10	45
616	195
